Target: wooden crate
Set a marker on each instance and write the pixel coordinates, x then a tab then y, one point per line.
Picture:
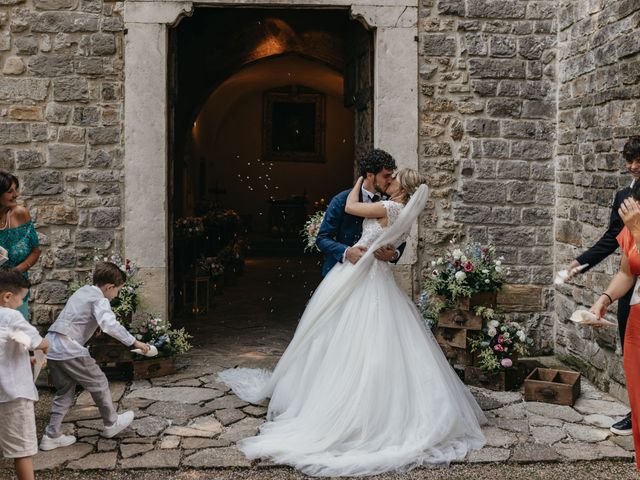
456	356
561	387
504	380
456	337
105	349
153	367
458	318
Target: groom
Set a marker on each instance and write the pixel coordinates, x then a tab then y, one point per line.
340	231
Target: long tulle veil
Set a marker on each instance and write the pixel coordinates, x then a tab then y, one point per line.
254	385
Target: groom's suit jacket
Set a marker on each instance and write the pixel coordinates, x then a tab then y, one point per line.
339	231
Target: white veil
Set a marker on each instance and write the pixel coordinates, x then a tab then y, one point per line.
254	385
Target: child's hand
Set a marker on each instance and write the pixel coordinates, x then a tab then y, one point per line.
142	346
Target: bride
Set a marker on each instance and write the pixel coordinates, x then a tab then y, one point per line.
363	387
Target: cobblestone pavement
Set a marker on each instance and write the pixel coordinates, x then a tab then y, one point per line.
188	420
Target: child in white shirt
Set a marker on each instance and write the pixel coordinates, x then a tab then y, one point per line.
18	439
69	360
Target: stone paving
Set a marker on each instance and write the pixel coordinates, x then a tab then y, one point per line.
189	420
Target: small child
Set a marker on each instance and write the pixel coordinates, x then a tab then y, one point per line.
18	439
70	362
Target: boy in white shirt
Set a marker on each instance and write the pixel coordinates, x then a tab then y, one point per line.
18	439
69	360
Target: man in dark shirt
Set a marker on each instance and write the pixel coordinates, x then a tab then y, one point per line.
609	244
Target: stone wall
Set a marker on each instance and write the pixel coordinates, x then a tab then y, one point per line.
487	135
598	109
61	129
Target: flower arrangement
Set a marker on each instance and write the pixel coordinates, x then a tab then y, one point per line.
310	231
212	266
499	342
158	332
189	227
463	271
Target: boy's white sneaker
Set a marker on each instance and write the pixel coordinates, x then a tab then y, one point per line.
123	421
48	443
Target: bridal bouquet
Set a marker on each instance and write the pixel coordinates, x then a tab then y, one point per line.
310	230
157	332
500	342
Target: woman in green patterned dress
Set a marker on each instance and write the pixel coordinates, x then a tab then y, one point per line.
17	234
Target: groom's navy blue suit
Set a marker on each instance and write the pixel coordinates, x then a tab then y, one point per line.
339	231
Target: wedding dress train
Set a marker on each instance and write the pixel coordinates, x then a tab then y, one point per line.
363	387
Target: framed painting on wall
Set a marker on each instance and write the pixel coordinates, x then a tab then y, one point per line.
293	126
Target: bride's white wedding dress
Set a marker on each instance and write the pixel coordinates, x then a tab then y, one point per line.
363	387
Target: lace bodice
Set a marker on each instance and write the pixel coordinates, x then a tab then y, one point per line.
371	228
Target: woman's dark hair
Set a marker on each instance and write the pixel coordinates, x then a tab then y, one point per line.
107	272
631	149
6	180
374	161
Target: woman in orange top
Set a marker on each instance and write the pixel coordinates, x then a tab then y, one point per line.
629	240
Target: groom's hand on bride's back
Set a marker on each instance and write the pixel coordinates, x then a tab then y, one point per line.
386	253
353	254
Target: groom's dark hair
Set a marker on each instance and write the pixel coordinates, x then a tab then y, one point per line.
375	160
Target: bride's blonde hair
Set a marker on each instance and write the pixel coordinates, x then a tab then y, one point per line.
409	180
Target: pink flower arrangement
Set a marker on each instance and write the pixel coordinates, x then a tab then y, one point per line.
506	362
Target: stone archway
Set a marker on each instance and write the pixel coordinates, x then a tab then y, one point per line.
146	212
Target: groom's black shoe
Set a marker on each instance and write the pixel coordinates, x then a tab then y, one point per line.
623	427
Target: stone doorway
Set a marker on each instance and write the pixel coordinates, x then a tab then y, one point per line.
151	112
262	136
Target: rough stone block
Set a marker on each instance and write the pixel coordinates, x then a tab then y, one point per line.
57	113
451	7
26	45
67	89
86	116
105	217
481	127
89	65
51	65
103	135
14	133
56	4
484	192
27	159
19	112
112	24
100	239
66	156
476	44
438	45
502	46
52	293
504	107
628	45
103	44
65	22
496	68
71	135
13	66
99	159
495	9
43	182
19	89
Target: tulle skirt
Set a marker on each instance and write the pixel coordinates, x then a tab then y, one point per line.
363	388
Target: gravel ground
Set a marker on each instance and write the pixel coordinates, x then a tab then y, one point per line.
551	471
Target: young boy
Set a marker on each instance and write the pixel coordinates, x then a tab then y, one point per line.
70	362
18	439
